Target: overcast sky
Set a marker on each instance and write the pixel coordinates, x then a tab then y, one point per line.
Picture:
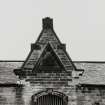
78	23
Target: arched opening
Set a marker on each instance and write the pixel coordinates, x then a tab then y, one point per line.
49	98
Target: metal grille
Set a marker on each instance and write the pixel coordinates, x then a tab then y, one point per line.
50	100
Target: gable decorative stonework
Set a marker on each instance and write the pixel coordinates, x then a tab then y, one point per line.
47	55
49	62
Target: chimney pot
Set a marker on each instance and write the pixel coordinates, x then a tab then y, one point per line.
47	23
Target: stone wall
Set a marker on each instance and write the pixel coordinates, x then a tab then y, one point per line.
77	95
91	95
11	96
31	89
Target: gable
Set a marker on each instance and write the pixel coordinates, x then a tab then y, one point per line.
58	53
48	61
48	54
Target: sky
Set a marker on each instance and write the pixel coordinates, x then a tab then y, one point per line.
78	23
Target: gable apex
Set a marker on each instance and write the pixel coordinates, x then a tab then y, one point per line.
47	23
47	34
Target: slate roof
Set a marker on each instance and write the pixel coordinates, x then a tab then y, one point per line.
94	72
6	71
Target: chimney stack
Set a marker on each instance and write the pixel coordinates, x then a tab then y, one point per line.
47	23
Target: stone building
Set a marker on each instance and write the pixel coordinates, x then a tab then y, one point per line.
48	76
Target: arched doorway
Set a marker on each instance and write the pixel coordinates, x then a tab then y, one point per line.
49	97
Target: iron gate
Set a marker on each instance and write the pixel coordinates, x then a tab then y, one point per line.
49	98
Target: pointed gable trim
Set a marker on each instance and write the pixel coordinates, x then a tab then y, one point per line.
70	59
24	66
26	59
48	45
